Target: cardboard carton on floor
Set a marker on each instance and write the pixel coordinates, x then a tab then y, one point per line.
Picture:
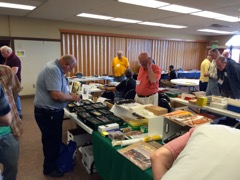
157	110
88	159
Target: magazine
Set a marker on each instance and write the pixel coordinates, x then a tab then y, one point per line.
187	118
139	153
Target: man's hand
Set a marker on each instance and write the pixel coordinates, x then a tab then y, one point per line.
149	61
206	74
75	97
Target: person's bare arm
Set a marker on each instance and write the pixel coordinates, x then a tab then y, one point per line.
112	88
15	69
59	96
162	160
151	76
6	119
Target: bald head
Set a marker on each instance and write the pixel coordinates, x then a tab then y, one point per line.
226	54
143	59
68	63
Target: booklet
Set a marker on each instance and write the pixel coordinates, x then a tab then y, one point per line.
139	153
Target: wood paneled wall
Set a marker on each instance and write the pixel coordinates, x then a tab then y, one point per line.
95	52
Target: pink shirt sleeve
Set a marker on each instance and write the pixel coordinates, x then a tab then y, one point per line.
177	145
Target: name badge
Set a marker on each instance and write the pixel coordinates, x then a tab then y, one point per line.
137	82
220	81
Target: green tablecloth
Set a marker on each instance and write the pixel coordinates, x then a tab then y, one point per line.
111	165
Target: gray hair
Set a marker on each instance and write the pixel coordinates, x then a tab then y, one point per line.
221	59
120	52
128	73
6	48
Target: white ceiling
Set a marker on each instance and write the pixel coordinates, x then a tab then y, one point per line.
66	10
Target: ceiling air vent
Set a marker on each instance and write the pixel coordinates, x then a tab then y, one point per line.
219	26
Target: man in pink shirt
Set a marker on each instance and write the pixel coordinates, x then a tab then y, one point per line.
147	81
204	152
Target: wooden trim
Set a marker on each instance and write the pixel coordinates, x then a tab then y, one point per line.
27	96
128	36
27	38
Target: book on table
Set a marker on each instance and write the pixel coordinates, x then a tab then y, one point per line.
139	154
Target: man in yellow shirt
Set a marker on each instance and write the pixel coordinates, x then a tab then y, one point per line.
203	81
119	66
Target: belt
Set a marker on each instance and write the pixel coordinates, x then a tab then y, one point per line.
141	96
48	110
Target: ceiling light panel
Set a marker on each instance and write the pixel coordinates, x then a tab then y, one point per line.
146	3
16	6
215	31
125	20
163	25
207	14
179	9
94	16
227	18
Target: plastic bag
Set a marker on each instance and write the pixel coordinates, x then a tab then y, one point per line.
67	157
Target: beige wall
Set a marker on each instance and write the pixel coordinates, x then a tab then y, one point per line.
40	52
221	40
14	26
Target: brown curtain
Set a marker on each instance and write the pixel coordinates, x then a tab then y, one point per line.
95	52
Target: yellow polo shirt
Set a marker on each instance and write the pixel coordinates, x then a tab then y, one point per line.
204	69
120	65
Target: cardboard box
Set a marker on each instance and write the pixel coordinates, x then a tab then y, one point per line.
79	136
157	110
178	106
88	159
172	130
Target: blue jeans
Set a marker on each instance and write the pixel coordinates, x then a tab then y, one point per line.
50	124
213	88
9	155
19	106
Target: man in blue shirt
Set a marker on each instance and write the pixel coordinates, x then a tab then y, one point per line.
228	77
52	95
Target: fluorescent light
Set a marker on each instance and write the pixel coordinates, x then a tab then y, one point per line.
215	31
228	18
233	41
207	14
179	9
16	6
94	16
125	20
218	16
146	3
163	25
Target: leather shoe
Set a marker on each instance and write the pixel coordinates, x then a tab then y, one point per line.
54	173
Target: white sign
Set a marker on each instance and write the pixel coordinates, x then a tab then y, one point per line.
21	53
